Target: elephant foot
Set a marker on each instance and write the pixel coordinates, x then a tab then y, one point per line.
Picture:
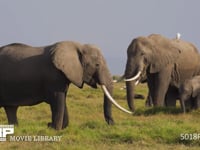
15	122
64	125
110	121
11	112
50	125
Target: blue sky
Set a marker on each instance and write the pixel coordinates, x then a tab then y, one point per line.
110	24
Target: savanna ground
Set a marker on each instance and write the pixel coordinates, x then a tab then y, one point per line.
148	128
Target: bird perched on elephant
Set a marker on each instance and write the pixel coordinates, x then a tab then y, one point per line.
190	93
167	63
31	75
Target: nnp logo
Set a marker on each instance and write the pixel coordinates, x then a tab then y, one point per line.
5	130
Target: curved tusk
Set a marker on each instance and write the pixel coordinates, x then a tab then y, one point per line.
113	101
135	77
137	82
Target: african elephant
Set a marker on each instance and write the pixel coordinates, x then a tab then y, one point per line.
31	75
166	62
190	93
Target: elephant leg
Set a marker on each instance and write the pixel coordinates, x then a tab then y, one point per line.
198	102
189	104
150	83
182	104
65	118
11	112
171	97
158	84
193	103
149	101
57	104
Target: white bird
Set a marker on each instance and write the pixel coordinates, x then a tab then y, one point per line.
178	36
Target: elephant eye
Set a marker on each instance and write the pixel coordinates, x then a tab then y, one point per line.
145	60
97	65
142	53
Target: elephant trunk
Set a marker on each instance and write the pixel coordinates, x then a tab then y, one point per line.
130	95
132	77
105	80
131	81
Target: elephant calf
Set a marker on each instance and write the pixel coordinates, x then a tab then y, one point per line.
190	93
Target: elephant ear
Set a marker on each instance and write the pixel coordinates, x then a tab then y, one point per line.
66	58
163	52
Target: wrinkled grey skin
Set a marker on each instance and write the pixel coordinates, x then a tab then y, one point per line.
190	93
166	62
31	75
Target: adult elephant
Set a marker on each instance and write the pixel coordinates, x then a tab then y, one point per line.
166	62
31	75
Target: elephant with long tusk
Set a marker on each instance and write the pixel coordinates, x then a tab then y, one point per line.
167	63
31	75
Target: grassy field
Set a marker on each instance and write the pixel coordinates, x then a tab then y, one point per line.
148	128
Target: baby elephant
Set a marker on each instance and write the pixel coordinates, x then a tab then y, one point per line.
190	93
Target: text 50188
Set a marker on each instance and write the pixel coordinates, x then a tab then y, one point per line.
190	136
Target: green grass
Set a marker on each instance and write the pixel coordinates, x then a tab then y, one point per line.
148	128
